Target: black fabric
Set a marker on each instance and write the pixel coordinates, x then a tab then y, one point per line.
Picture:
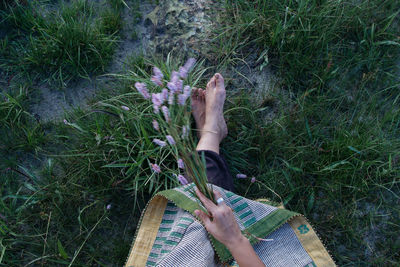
217	170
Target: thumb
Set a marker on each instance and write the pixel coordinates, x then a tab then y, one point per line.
203	217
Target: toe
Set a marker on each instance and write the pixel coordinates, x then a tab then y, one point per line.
195	93
211	84
202	94
219	81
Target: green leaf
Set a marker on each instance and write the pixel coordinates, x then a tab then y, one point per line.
354	149
61	250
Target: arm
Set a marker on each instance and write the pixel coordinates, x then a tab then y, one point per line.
225	229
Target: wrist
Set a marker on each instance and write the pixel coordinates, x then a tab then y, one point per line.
237	243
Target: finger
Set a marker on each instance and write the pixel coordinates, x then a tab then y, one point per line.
203	217
217	195
210	206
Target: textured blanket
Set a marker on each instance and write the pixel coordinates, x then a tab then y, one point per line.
169	234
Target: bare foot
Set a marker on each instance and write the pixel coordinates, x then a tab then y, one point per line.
199	109
215	99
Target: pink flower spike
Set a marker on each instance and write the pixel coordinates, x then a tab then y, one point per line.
185	131
189	63
171	98
125	108
181	165
171	140
179	85
171	86
156	80
187	90
155	168
156	99
182	179
241	176
159	142
155	125
253	180
157	72
65	122
165	111
183	72
141	87
108	207
164	94
181	99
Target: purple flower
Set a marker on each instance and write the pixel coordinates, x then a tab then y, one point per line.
164	94
141	87
125	108
171	98
155	125
175	85
156	81
157	77
183	72
187	90
181	165
171	140
157	72
159	142
179	85
65	122
185	69
185	131
253	179
157	101
108	207
165	111
182	179
241	176
189	63
182	99
155	168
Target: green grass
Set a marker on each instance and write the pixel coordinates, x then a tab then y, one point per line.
58	42
331	150
313	42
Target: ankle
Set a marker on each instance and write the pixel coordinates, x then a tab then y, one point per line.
209	141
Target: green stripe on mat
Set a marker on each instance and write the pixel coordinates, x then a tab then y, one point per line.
187	219
241	207
171	242
244	215
151	263
249	222
176	234
153	255
234	201
171	212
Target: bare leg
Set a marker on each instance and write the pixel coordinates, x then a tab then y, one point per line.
214	129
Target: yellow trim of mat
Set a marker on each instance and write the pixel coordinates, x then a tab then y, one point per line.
147	233
311	243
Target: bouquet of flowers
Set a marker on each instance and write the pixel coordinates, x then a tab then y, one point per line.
172	109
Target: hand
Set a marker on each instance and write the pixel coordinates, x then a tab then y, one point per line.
222	225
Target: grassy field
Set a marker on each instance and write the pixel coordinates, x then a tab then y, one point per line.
71	191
